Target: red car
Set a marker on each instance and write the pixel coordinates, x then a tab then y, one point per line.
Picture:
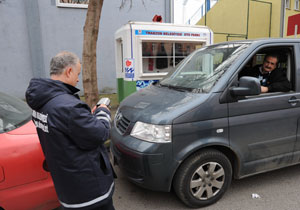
25	182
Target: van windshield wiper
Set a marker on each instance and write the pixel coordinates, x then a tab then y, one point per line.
179	88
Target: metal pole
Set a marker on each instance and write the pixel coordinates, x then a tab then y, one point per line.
282	18
247	19
171	11
270	20
296	30
270	26
205	9
32	13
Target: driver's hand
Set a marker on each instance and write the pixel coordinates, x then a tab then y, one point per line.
264	89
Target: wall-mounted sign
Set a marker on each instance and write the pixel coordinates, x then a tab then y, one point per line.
129	68
170	33
293	25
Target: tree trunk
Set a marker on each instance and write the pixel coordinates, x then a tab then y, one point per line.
89	66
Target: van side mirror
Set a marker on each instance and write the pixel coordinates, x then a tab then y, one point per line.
247	86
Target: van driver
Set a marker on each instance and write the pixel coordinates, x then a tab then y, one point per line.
272	79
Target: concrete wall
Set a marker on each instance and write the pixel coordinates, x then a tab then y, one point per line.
15	61
222	16
231	17
33	31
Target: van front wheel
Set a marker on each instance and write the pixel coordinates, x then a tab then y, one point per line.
203	178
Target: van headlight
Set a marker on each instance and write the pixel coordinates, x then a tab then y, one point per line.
152	133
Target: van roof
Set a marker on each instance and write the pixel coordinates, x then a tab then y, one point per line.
265	40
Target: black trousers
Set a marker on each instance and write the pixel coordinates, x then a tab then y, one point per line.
107	206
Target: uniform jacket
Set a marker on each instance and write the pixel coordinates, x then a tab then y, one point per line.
276	80
72	140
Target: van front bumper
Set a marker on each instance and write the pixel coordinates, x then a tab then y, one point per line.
146	164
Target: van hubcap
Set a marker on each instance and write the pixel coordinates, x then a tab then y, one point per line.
207	180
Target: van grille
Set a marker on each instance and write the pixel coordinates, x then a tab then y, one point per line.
121	123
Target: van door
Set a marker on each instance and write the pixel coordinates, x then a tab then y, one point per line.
263	128
297	81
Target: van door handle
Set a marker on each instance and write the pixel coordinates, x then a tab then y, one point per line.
294	100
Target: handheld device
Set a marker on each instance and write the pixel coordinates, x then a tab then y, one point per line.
105	101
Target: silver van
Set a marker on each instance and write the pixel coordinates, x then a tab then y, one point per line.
206	123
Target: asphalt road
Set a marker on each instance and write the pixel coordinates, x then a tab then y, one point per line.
278	190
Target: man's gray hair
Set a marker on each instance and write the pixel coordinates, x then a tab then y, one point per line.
63	59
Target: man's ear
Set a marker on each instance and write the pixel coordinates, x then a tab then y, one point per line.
68	71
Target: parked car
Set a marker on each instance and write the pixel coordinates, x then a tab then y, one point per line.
204	124
25	182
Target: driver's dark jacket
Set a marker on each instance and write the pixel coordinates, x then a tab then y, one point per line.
72	140
276	80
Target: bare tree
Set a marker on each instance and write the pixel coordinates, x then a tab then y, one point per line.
124	2
89	66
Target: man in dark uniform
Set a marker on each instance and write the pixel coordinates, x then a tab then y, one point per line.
72	137
272	79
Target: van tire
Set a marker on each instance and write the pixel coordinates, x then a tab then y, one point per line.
210	186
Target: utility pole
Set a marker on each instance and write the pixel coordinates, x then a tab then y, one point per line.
282	18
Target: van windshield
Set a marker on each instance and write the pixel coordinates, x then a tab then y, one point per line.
203	68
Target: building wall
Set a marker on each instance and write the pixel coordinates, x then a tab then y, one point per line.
220	20
15	64
264	19
33	31
235	20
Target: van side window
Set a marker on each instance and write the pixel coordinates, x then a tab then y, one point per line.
274	67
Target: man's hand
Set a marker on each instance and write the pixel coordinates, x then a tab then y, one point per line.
264	89
101	105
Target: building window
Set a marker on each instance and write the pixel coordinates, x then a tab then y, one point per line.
287	4
162	57
296	4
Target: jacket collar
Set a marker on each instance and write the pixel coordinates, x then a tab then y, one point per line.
71	88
